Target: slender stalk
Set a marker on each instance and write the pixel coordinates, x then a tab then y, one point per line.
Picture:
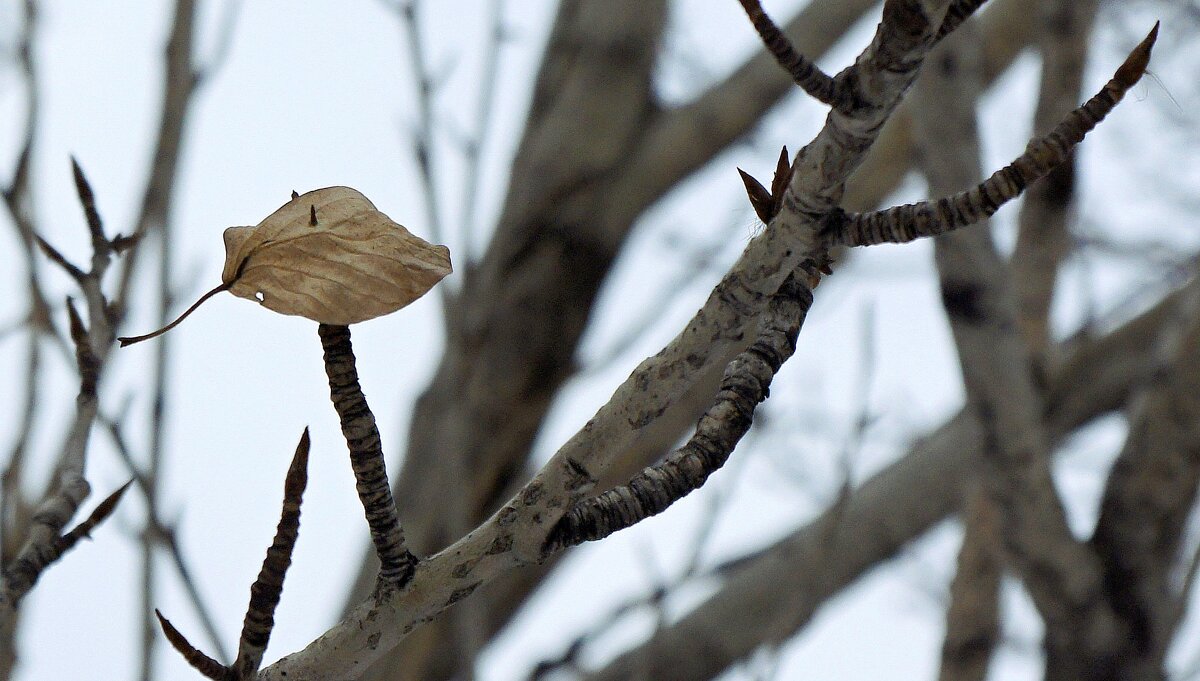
366	456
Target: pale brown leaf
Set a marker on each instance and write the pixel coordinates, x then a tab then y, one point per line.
352	265
328	255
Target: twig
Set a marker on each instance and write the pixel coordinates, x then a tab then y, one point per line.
815	82
929	218
181	79
204	664
224	43
746	382
267	589
84	529
956	14
366	456
423	135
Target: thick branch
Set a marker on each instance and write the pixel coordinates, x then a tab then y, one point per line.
746	384
776	592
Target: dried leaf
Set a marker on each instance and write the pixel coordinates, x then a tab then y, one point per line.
352	265
328	255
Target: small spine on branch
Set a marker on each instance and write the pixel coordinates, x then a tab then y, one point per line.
815	82
746	383
202	663
267	589
366	456
85	358
84	529
930	218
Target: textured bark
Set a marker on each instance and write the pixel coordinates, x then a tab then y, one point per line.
746	383
1084	635
500	372
776	592
366	457
514	334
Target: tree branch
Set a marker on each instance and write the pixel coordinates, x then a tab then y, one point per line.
366	456
911	221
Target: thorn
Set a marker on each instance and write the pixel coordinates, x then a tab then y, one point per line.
78	330
312	215
121	243
295	195
760	198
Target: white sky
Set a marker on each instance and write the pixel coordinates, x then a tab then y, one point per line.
318	94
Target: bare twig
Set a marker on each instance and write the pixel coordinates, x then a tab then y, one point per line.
815	82
267	589
366	456
1043	236
929	218
204	664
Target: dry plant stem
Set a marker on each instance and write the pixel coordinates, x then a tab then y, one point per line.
202	663
472	168
366	456
15	508
747	382
154	217
130	340
923	487
911	221
267	589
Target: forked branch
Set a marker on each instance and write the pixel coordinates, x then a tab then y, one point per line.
930	218
267	589
746	383
831	90
264	593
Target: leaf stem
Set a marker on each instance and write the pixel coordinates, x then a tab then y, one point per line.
130	340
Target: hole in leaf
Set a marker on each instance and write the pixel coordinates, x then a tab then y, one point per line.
258	295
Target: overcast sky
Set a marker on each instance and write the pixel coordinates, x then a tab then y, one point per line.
319	94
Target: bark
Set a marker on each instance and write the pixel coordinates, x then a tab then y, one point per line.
776	592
